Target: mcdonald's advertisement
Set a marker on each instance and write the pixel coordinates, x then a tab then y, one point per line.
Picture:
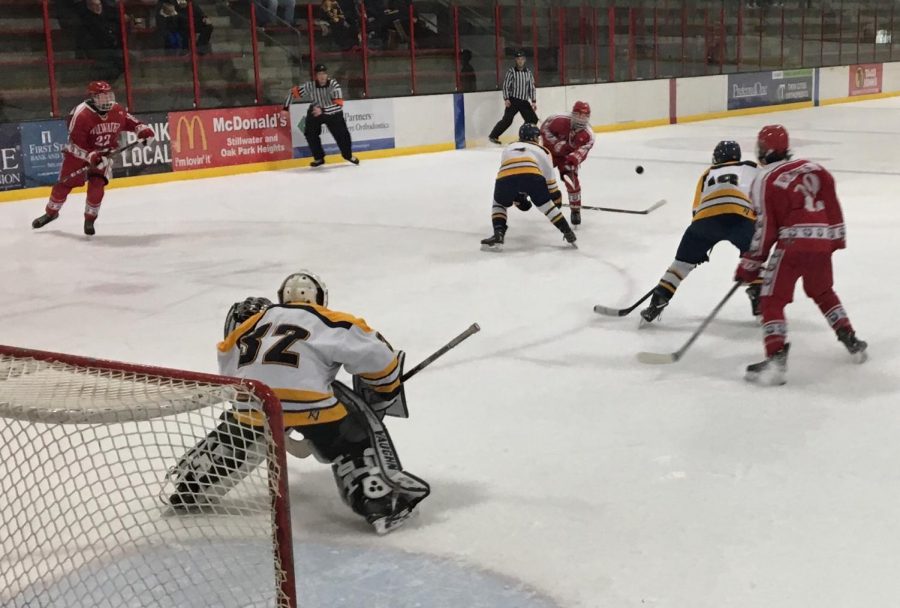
228	136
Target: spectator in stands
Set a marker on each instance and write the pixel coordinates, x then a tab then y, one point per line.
169	27
337	26
101	40
269	11
467	80
203	28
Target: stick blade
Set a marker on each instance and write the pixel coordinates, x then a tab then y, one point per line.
608	311
655	205
657	358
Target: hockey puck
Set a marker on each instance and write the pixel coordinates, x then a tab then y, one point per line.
639	169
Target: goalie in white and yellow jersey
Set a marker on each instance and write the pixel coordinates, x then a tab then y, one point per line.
297	347
722	211
526	177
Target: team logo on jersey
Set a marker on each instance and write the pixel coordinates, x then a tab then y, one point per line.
191	127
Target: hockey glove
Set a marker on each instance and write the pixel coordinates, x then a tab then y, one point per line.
393	404
98	159
747	270
145	134
241	311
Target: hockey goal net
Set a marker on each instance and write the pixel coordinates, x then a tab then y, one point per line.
88	456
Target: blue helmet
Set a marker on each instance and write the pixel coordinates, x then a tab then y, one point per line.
529	132
726	151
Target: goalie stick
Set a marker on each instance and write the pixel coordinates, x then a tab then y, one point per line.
301	448
663	358
621	312
652	207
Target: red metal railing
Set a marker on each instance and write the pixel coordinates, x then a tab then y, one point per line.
125	57
578	46
51	63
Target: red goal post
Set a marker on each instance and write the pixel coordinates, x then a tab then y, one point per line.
87	450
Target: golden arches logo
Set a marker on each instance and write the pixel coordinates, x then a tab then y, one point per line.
191	126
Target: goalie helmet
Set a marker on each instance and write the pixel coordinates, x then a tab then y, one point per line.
303	286
241	311
101	95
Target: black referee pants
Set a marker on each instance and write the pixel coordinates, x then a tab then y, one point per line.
337	126
516	106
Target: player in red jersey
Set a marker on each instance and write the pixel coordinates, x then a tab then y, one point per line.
799	213
94	128
569	138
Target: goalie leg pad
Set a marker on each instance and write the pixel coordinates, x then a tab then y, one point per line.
378	466
216	464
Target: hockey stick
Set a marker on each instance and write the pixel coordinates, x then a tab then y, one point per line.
474	328
88	166
652	207
621	312
662	358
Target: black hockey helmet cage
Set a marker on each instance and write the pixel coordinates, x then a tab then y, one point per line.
726	151
303	286
529	132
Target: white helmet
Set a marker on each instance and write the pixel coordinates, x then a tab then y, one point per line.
303	286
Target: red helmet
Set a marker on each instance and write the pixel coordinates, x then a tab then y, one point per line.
581	113
772	141
102	95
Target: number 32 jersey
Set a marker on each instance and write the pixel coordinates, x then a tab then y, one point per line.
298	349
725	188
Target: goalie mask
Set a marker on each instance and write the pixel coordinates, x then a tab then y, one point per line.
303	286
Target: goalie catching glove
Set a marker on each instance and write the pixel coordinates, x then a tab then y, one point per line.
241	311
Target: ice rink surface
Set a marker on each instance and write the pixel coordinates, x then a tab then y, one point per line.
562	469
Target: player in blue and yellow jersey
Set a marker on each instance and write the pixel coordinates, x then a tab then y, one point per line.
722	212
297	346
526	177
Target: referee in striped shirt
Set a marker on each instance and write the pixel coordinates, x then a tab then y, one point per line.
326	108
519	96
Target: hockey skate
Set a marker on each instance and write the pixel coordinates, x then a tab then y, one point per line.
42	221
317	162
89	226
772	371
493	243
654	310
353	160
570	238
575	216
385	523
495	140
856	348
753	293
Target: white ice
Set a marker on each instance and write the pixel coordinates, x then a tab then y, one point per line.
557	460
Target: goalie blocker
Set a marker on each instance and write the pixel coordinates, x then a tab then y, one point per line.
344	428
